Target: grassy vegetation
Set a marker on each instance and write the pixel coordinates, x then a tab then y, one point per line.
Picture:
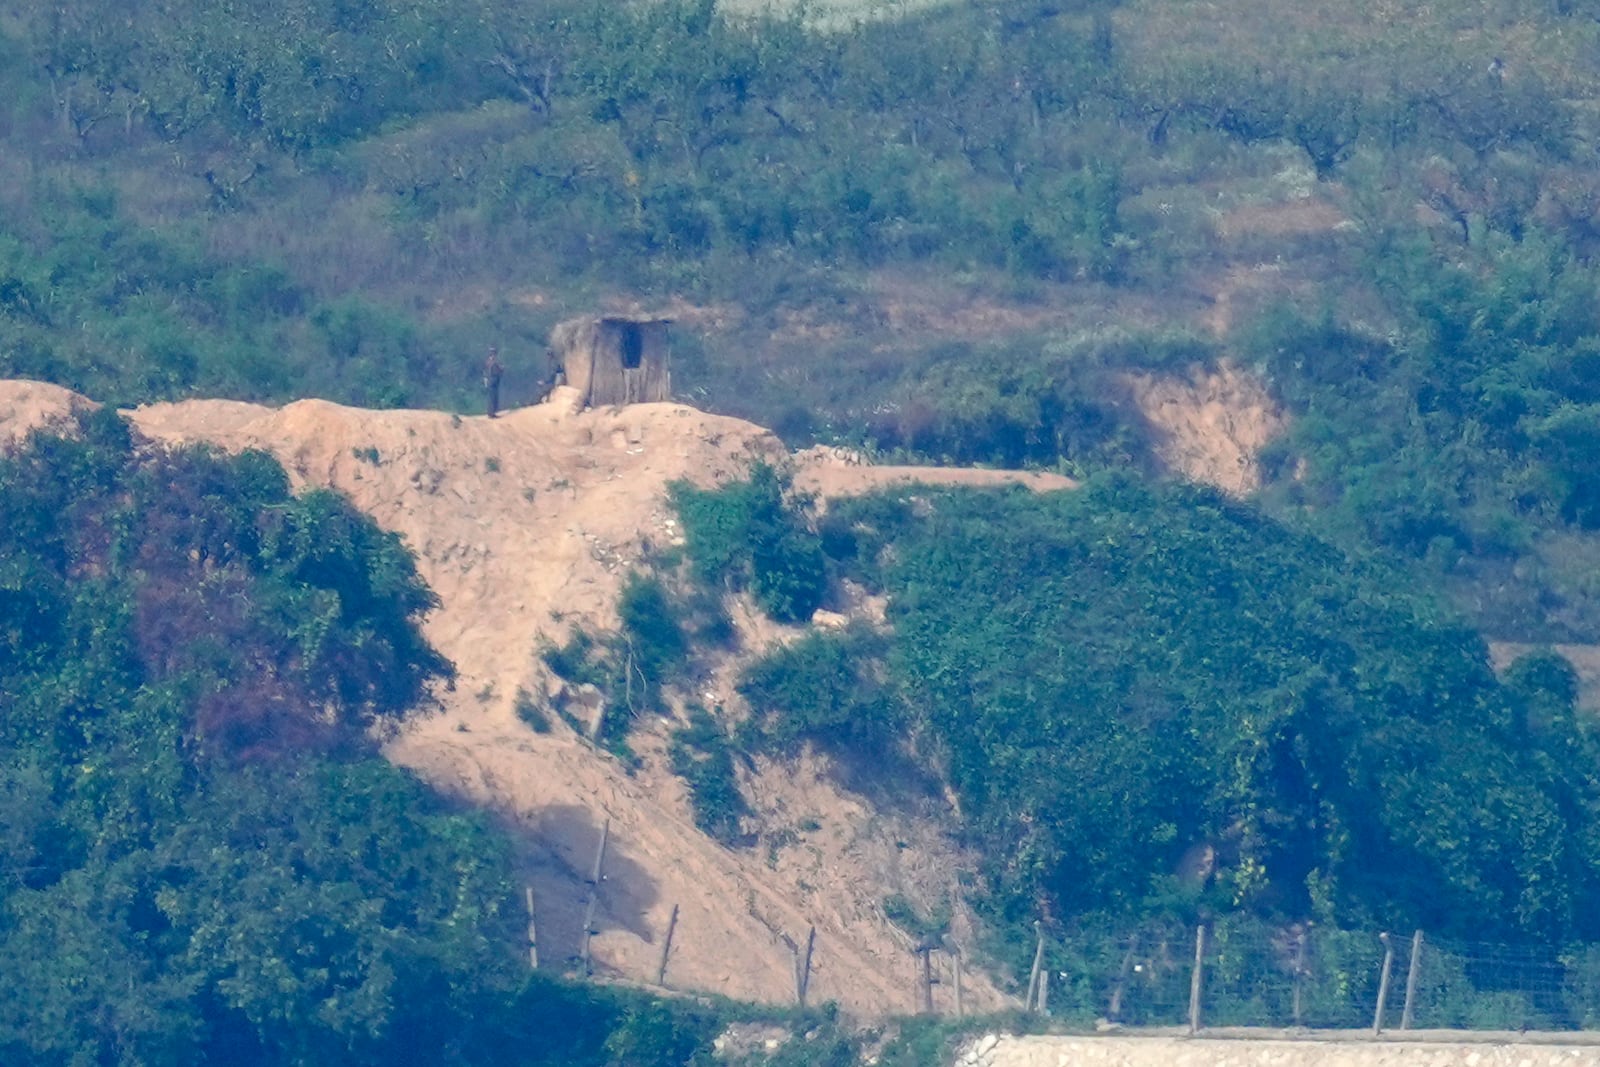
947	236
701	753
753	536
943	236
1108	679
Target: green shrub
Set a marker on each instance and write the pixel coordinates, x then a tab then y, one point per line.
702	757
651	626
922	1040
925	929
825	687
573	661
531	713
629	667
754	534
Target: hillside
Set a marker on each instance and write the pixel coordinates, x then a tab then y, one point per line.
524	526
937	233
1338	263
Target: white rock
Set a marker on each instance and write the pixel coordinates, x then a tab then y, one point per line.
829	620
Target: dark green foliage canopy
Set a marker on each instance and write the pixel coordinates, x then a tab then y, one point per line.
1111	677
182	646
701	754
202	858
824	687
197	578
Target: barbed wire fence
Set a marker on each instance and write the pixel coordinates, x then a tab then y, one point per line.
1251	974
1238	973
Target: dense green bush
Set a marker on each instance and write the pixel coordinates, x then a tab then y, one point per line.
755	534
825	687
1110	677
650	620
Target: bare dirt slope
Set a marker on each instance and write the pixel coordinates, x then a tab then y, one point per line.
1212	425
524	526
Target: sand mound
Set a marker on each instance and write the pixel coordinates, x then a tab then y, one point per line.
525	526
28	406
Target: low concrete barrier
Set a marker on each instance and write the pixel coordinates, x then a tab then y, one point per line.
1005	1050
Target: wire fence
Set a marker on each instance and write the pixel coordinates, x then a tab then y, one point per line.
1250	974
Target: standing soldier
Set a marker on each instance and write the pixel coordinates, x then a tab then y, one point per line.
491	380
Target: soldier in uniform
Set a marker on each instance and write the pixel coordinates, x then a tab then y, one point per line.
492	370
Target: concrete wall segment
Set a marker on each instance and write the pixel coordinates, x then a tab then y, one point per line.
1126	1051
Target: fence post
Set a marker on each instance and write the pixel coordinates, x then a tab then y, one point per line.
594	894
805	965
1195	978
955	966
1038	961
666	947
1114	1009
533	934
1299	978
1411	980
802	965
1383	983
925	950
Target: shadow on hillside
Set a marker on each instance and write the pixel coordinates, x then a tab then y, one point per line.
557	846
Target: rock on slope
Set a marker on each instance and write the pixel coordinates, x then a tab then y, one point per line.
524	526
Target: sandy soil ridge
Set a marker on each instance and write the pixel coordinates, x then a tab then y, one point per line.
524	526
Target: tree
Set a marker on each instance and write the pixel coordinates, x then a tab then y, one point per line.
187	654
1110	677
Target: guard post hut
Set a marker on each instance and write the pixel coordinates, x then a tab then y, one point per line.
613	359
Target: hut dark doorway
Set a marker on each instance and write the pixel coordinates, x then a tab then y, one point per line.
632	346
